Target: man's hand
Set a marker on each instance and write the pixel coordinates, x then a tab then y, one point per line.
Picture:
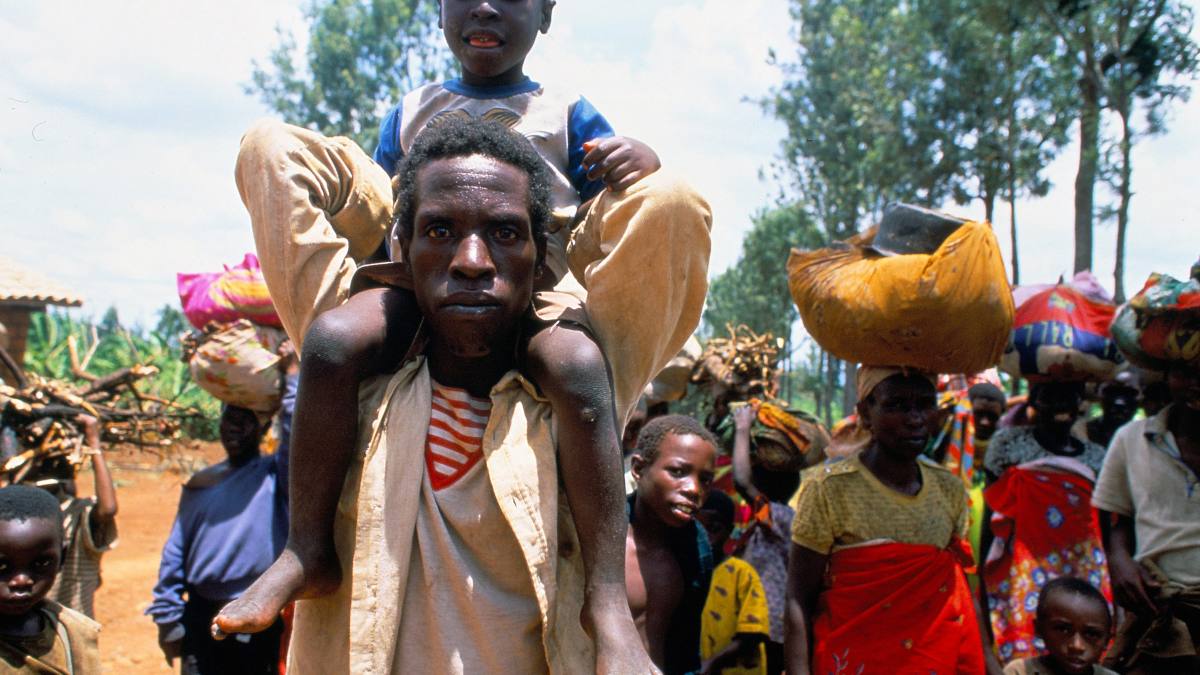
170	641
1132	584
619	161
743	417
91	429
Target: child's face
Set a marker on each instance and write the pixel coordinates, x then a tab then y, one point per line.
1075	629
30	554
491	38
674	486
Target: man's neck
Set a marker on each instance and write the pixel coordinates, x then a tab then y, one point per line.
1184	422
476	375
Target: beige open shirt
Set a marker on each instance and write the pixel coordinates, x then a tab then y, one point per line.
318	204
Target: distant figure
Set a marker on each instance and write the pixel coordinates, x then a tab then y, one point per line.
1118	405
668	558
1074	622
988	403
38	635
733	627
89	524
231	523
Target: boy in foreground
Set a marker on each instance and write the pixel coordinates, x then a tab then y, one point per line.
876	580
633	243
1148	497
668	559
1075	626
38	635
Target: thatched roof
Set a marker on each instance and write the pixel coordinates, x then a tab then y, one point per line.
21	285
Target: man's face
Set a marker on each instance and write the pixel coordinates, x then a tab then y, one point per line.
987	415
491	38
30	554
1184	383
240	433
674	485
472	251
901	414
1075	629
1119	405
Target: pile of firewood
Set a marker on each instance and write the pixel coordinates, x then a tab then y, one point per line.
745	363
39	417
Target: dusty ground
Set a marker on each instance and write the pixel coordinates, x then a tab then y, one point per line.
147	494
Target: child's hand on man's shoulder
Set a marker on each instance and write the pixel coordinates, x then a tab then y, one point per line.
619	161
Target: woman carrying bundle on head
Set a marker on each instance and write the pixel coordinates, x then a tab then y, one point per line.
876	577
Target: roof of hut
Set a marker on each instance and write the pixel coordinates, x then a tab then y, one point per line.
23	285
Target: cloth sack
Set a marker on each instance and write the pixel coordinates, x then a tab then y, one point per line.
947	312
238	363
1161	324
240	292
1062	333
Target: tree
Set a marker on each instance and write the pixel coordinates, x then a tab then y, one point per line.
1148	73
362	55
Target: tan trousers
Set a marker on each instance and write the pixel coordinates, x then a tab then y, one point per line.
318	205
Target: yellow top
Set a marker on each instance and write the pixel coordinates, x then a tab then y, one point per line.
843	504
736	604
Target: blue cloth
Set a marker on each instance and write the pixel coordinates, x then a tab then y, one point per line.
223	538
584	123
694	555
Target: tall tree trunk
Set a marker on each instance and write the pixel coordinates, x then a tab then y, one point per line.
1126	196
1089	157
1012	149
989	204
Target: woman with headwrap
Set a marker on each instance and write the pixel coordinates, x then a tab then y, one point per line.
876	579
1040	487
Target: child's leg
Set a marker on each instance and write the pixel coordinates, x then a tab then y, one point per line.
366	336
572	372
642	254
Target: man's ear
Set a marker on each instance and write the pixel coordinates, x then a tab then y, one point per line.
636	466
864	420
547	12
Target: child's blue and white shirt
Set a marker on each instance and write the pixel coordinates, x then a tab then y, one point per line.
557	125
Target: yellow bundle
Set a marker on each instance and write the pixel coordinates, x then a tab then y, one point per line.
947	312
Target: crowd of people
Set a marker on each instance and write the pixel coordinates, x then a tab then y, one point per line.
478	308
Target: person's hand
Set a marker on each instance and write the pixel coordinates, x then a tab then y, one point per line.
1132	585
619	161
170	641
91	429
743	417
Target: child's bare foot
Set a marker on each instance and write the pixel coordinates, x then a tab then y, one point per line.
287	579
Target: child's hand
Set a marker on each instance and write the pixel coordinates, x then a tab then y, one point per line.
619	161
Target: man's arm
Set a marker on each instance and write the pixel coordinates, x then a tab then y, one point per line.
167	607
1132	585
806	569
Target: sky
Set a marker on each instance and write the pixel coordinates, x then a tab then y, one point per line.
120	121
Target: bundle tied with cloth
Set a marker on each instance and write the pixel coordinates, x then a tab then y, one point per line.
1160	326
780	440
924	292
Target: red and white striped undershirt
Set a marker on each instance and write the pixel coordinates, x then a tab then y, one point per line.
455	441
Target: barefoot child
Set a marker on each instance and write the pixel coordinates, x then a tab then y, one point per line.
1075	625
38	635
876	579
668	559
636	238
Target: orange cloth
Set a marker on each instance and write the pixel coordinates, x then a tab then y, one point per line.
897	608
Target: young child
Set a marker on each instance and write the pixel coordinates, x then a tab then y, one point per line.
733	626
876	579
38	635
1074	623
631	227
668	559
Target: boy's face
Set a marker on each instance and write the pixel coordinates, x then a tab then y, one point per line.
472	251
490	38
674	486
987	415
901	414
30	554
1075	629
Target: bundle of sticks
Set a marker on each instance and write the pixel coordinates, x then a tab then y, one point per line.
744	363
40	417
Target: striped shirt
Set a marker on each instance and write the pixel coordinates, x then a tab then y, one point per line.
454	444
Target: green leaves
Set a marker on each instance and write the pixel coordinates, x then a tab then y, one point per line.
361	56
